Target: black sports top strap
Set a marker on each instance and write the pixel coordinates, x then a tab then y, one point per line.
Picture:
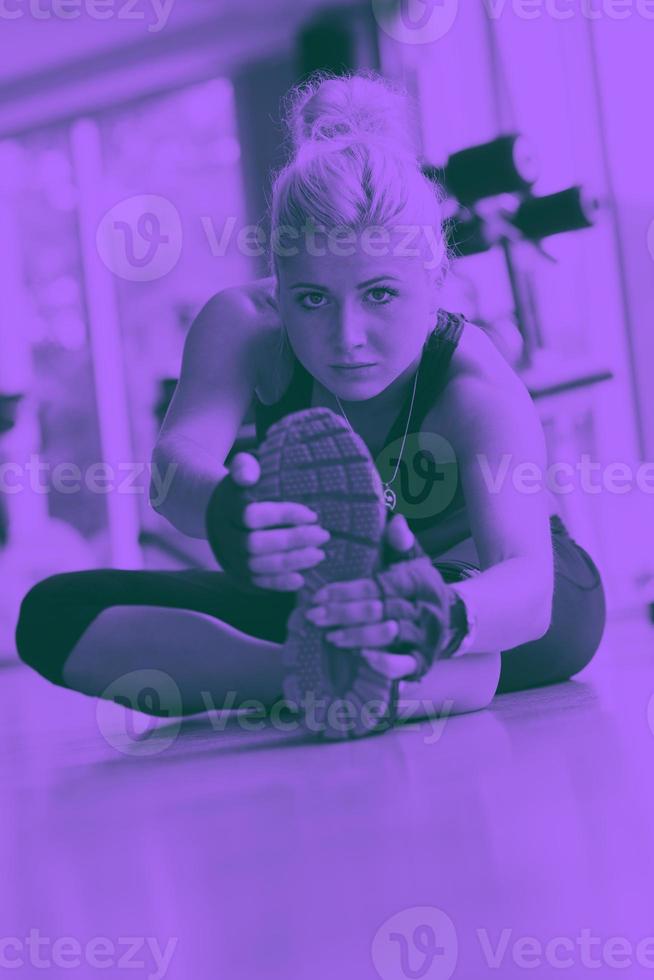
436	356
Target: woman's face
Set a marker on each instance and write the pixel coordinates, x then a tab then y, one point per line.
356	308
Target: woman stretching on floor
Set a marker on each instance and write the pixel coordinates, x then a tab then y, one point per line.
505	599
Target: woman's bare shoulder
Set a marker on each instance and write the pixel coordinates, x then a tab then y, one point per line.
478	356
254	301
274	365
479	374
478	370
256	295
252	308
488	401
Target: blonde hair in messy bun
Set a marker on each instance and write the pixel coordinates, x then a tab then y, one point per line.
353	161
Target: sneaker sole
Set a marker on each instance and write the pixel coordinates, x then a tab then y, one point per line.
313	458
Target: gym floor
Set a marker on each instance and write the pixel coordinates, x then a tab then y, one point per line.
519	837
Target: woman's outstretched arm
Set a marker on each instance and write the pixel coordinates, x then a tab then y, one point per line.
502	458
218	378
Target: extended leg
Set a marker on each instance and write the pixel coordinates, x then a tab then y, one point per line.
86	629
451	687
212	665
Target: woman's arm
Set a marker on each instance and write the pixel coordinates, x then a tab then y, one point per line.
195	473
508	610
218	377
500	447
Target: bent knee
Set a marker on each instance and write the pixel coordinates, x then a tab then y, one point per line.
567	648
582	640
49	622
458	685
34	621
488	677
579	657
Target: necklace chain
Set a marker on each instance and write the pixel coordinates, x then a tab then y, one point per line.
389	495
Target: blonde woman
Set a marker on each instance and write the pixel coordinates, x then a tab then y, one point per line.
451	580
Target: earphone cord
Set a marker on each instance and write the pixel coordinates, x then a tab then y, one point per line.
406	431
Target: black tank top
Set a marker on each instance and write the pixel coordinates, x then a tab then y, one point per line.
427	485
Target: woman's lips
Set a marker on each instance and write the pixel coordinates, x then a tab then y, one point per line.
352	369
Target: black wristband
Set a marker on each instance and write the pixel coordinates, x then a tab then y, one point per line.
225	531
458	628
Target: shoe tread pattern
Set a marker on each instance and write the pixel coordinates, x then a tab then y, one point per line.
312	457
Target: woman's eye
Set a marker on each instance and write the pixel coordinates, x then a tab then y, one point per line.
385	292
312	296
377	296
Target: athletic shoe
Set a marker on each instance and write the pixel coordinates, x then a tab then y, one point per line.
313	457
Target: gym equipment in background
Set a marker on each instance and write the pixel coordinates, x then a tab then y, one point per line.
507	166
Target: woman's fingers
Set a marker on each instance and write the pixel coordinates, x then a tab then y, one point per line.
285	561
245	470
375	635
355	588
346	613
393	665
290	582
360	611
267	542
413	579
397	632
410	579
398	534
273	513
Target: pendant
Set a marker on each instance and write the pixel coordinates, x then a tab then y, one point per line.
389	497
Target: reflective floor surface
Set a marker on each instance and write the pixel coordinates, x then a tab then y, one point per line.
514	841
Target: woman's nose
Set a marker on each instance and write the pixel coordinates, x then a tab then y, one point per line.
349	331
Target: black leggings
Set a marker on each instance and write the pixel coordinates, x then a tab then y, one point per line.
57	610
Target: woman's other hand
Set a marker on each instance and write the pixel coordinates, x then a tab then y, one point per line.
358	615
266	543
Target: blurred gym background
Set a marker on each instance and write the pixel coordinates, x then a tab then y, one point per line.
163	121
